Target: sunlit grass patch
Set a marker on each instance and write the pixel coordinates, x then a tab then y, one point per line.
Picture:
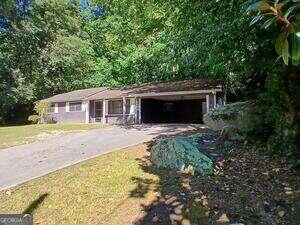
17	135
93	192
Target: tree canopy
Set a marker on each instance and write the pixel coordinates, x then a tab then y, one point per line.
53	46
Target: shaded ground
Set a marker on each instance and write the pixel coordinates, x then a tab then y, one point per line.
248	187
123	187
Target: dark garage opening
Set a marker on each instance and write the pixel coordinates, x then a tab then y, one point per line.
175	111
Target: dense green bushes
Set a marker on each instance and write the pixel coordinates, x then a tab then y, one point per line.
279	111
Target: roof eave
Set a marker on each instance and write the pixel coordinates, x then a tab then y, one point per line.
170	93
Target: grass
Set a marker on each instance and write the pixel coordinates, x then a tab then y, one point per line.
17	135
98	191
124	187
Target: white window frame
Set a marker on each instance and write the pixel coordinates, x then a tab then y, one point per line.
55	107
114	114
68	106
95	108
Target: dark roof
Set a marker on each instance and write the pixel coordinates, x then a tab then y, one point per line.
185	85
75	95
146	89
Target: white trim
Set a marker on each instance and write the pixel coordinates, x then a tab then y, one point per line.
132	106
139	110
135	111
207	103
87	111
175	93
82	106
215	100
124	109
55	107
94	115
104	107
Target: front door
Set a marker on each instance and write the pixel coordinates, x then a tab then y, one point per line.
98	111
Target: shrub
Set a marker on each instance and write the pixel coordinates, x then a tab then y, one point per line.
42	108
33	119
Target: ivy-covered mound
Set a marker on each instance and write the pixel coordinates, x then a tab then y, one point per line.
181	153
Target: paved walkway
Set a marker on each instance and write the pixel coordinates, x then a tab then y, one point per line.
22	163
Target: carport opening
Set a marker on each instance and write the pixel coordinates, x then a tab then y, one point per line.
171	111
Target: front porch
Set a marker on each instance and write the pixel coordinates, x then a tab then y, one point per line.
113	111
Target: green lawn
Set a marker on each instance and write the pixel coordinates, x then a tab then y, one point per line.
17	135
98	191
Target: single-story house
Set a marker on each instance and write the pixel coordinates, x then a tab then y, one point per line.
172	102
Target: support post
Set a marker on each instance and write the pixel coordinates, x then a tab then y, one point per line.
87	111
135	111
140	110
207	103
215	99
104	111
124	109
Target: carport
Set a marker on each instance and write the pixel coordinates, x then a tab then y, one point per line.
173	109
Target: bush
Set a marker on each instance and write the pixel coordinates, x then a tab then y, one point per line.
42	108
278	115
34	119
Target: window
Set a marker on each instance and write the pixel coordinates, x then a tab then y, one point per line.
168	107
127	106
75	106
115	107
98	107
53	108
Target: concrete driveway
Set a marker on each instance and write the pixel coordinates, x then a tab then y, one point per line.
22	163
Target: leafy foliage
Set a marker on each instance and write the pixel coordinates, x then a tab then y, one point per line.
33	119
41	108
285	14
65	45
280	102
56	46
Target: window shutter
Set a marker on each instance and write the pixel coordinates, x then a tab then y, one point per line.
67	107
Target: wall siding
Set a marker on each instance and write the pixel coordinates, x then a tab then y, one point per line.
118	119
67	117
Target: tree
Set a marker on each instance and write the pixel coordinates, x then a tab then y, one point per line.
29	52
280	100
286	15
